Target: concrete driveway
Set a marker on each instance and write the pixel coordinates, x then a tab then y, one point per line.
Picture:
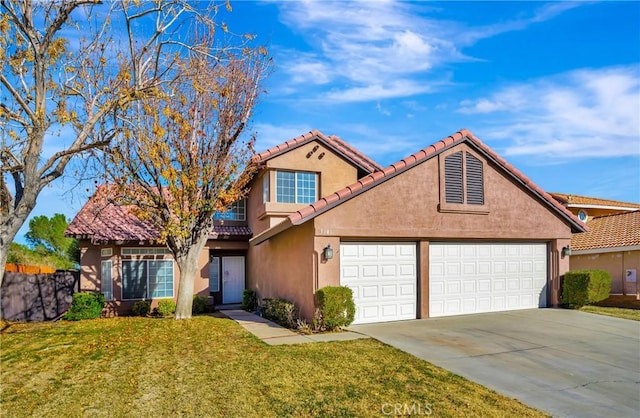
564	362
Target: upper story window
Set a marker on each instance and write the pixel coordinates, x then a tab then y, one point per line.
296	187
463	183
236	212
463	179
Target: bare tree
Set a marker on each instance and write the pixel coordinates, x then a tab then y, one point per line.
66	66
183	156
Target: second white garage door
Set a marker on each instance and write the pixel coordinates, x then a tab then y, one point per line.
467	278
383	279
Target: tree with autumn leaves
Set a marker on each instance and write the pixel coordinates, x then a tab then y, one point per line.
186	156
79	77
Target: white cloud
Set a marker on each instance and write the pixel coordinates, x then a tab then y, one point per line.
372	47
399	88
582	113
382	110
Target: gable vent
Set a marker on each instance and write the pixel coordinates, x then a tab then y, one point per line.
453	178
475	185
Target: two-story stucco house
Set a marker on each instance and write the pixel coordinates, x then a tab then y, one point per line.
452	229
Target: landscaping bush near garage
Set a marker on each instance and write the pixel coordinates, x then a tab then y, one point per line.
584	287
281	311
85	305
335	308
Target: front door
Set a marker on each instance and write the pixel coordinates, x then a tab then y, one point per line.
232	279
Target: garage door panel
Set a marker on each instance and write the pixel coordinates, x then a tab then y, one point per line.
486	277
386	273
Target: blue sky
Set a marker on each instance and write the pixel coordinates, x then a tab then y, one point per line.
552	87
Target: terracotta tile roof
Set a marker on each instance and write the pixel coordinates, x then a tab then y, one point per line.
230	231
102	221
611	231
373	179
572	199
331	141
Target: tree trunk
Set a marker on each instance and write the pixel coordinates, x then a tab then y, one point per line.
188	266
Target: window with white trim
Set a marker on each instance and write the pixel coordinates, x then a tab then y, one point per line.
236	212
106	281
147	279
296	187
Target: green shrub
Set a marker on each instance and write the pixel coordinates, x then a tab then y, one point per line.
584	287
249	300
141	308
336	308
85	305
281	311
199	305
166	307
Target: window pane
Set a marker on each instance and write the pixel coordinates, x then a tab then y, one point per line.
235	212
106	284
285	187
214	274
160	279
306	187
134	279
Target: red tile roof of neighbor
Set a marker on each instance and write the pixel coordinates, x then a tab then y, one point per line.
378	177
611	231
331	141
575	200
102	221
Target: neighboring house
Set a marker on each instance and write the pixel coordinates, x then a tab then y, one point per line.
612	244
452	229
586	208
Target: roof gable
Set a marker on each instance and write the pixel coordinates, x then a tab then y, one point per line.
372	180
610	231
334	143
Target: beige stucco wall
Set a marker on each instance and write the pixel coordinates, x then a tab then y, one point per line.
285	267
90	261
406	207
334	173
616	263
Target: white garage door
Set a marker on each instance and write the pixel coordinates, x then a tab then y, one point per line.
467	278
383	279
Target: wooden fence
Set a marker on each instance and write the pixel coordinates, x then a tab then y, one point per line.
37	297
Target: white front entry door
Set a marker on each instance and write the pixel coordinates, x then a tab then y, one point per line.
467	278
232	279
383	279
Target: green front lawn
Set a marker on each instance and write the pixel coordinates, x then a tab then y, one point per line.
625	313
212	367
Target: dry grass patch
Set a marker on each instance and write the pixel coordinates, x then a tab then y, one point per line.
212	367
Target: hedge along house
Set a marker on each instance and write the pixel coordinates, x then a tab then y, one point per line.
452	229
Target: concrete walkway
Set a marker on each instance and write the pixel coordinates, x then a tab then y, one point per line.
274	334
